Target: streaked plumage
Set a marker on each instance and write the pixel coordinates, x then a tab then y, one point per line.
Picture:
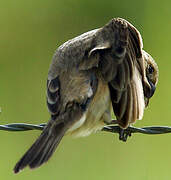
90	75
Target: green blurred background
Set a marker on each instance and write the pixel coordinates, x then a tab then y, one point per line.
30	31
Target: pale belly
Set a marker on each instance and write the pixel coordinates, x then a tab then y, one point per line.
99	112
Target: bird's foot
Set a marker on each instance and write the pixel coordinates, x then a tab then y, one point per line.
123	134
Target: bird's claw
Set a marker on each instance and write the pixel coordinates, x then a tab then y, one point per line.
123	134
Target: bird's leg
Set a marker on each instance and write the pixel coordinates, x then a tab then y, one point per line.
123	133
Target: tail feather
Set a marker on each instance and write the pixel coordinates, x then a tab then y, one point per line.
50	152
43	156
43	147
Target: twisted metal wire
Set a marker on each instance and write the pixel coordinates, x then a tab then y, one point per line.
21	127
112	129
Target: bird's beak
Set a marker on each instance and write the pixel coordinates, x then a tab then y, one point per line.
149	89
153	88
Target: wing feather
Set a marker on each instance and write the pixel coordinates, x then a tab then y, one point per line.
53	95
126	87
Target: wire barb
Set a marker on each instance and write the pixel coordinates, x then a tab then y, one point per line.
112	129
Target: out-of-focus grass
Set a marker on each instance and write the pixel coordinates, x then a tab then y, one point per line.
30	31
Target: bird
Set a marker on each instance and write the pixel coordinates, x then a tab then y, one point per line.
99	72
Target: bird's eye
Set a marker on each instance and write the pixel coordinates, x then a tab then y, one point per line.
150	69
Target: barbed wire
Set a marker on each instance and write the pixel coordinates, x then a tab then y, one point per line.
112	129
21	127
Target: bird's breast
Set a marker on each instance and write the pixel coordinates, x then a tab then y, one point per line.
98	111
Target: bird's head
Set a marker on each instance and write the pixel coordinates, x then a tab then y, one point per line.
152	73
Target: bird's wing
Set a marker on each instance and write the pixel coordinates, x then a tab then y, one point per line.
70	88
126	87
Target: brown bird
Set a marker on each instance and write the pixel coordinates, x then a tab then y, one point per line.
99	71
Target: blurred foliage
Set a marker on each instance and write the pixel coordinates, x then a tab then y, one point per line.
30	31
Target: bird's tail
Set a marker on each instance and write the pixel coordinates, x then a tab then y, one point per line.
43	147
